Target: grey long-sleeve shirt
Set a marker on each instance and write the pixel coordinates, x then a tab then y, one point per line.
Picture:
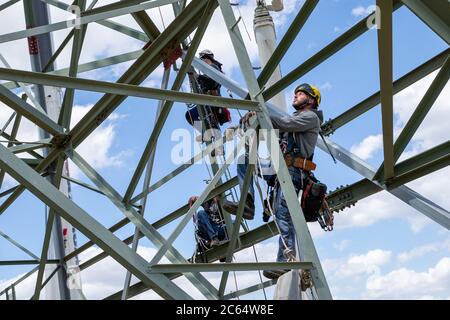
304	124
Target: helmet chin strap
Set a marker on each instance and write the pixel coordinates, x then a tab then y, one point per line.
304	104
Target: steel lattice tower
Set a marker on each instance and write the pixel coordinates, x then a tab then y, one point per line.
44	174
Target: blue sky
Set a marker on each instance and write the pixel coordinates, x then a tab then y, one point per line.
381	240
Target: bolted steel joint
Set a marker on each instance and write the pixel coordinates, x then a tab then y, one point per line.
61	141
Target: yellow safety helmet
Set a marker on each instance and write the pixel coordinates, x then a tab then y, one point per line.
309	90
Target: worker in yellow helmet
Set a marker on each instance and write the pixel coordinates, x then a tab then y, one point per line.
298	137
310	91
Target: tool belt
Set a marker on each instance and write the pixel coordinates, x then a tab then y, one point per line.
299	162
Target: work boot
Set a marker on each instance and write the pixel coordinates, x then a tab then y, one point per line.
274	274
214	242
249	209
305	280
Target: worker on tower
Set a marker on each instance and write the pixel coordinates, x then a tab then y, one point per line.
215	116
210	226
298	138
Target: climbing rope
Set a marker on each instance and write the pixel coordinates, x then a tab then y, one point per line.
305	275
162	18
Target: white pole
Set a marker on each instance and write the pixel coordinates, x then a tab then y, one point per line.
266	40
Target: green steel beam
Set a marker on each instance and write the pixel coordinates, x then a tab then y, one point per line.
236	225
78	40
179	29
151	144
89	66
86	224
420	113
26	110
28	93
344	197
125	30
146	24
406	171
422	158
8	4
89	244
27	147
177	231
107	23
23	262
335	46
9	191
146	228
179	170
121	89
434	14
385	58
402	83
82	184
307	250
236	266
288	38
13	140
251	289
435	165
50	276
157	225
43	164
7	123
15	283
405	194
248	239
147	180
87	17
44	254
52	222
18	245
58	51
118	5
14	131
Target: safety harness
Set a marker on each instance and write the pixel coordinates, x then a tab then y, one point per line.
292	158
313	200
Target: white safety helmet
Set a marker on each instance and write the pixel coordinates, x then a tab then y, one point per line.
206	54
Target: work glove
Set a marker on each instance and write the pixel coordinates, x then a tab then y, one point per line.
192	200
246	118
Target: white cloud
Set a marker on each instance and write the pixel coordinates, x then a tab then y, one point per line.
431	132
107	276
362	277
383	205
361	11
368	263
311	45
342	245
217	39
28	132
422	250
325	86
409	284
355	267
96	149
368	147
